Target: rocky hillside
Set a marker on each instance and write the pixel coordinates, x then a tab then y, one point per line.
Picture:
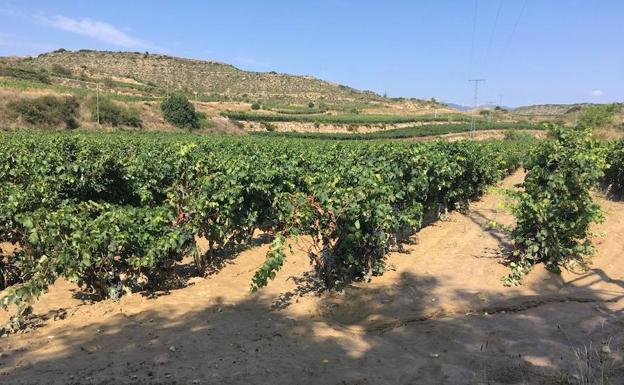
204	77
549	109
140	81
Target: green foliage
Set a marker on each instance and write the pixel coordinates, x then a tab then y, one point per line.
270	127
115	212
255	106
204	122
614	173
178	111
25	74
114	114
598	115
402	133
46	111
555	210
500	109
273	263
298	110
351	118
60	70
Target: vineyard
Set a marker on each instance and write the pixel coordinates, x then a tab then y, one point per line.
311	193
361	119
115	213
403	133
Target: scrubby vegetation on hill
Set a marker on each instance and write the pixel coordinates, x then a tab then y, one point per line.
114	114
206	77
46	111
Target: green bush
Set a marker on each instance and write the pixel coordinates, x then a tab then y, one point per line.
114	114
598	115
270	127
25	74
178	111
555	210
61	71
614	174
255	106
204	122
46	111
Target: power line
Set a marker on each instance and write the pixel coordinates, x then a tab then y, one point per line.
513	32
490	109
498	11
474	31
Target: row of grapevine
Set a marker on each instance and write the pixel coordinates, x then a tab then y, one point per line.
116	212
401	133
614	174
343	119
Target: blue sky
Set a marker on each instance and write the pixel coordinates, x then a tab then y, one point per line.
530	51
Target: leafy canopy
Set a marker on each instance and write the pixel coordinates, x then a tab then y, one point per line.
178	111
555	210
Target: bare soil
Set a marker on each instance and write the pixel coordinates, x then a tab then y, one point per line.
479	135
440	316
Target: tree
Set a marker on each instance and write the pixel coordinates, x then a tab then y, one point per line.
178	111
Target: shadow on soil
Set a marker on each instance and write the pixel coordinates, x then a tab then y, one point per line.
390	335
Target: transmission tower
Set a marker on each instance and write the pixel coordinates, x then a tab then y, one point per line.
476	101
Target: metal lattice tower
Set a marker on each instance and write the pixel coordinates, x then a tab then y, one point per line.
475	101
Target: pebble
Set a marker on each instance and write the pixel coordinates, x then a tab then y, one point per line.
162	359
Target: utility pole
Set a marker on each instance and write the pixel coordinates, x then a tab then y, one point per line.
500	100
491	110
97	102
195	92
476	100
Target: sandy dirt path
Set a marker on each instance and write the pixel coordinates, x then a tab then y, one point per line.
440	316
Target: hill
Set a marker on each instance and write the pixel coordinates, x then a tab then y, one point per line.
139	81
208	78
549	109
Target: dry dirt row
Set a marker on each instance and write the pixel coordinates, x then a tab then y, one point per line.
440	316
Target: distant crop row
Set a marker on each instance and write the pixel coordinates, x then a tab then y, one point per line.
299	110
402	133
361	119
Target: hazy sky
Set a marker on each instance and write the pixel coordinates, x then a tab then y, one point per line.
531	51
